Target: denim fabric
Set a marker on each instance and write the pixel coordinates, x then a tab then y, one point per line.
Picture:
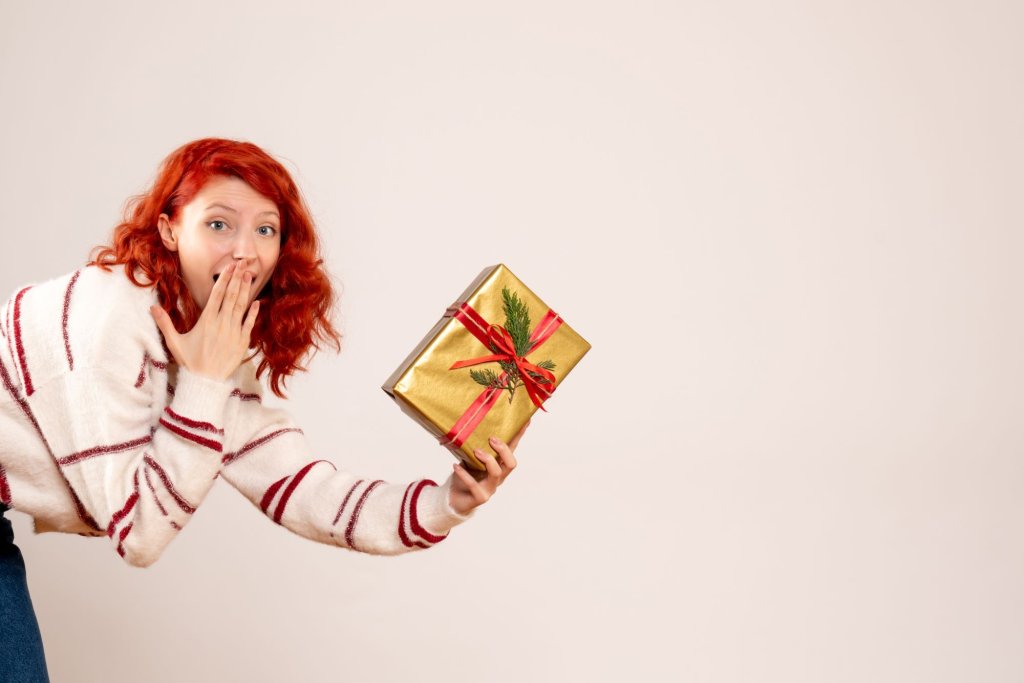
21	645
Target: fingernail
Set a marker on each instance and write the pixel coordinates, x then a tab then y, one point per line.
493	440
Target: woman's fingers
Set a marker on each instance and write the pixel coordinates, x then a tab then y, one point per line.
227	309
472	485
250	321
217	293
508	461
482	485
493	468
242	301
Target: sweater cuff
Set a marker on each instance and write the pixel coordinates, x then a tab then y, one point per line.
435	511
196	413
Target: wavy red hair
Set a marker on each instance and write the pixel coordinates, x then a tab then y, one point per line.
297	301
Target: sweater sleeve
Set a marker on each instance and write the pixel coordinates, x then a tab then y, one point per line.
277	471
135	477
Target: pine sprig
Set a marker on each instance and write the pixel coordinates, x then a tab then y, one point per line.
486	377
517	322
547	365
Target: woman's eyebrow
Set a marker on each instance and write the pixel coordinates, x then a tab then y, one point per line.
228	208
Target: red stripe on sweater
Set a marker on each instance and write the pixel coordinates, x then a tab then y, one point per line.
64	318
149	483
29	390
83	514
142	370
350	529
128	505
102	450
212	445
344	502
13	391
182	503
291	487
202	426
5	488
7	325
245	397
231	457
120	541
235	392
27	410
406	541
268	496
415	522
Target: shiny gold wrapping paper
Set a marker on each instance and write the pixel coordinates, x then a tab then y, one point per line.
430	393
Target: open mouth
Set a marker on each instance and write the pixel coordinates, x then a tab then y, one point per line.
217	275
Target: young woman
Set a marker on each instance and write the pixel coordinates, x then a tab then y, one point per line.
128	386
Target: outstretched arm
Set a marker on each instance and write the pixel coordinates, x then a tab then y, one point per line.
277	471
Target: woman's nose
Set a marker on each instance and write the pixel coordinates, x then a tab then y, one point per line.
245	247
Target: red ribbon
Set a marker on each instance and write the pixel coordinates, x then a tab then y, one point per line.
497	335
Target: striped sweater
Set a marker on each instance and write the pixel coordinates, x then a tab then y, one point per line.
102	434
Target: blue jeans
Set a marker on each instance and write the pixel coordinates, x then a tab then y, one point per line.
21	645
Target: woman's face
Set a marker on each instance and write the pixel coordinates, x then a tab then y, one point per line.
226	221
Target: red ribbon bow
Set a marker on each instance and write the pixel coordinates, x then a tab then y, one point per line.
501	338
496	335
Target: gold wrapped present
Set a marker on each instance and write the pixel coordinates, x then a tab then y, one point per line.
489	363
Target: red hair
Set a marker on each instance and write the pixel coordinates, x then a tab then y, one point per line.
297	301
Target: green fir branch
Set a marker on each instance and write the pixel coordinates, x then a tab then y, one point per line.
517	320
486	377
547	365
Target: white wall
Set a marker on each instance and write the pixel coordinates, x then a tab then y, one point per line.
791	231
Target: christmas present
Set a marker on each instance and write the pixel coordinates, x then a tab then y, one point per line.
496	356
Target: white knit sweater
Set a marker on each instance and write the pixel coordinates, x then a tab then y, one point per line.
102	434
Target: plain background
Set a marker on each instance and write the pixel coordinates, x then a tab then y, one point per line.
791	231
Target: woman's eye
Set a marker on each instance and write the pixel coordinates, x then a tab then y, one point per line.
269	227
211	223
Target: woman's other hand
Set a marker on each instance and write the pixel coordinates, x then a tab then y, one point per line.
470	490
219	341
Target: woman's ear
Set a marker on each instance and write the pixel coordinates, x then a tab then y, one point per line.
163	224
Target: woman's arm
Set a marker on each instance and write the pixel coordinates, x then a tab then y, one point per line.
137	481
83	348
278	472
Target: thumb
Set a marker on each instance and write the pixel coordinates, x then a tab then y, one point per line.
163	322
